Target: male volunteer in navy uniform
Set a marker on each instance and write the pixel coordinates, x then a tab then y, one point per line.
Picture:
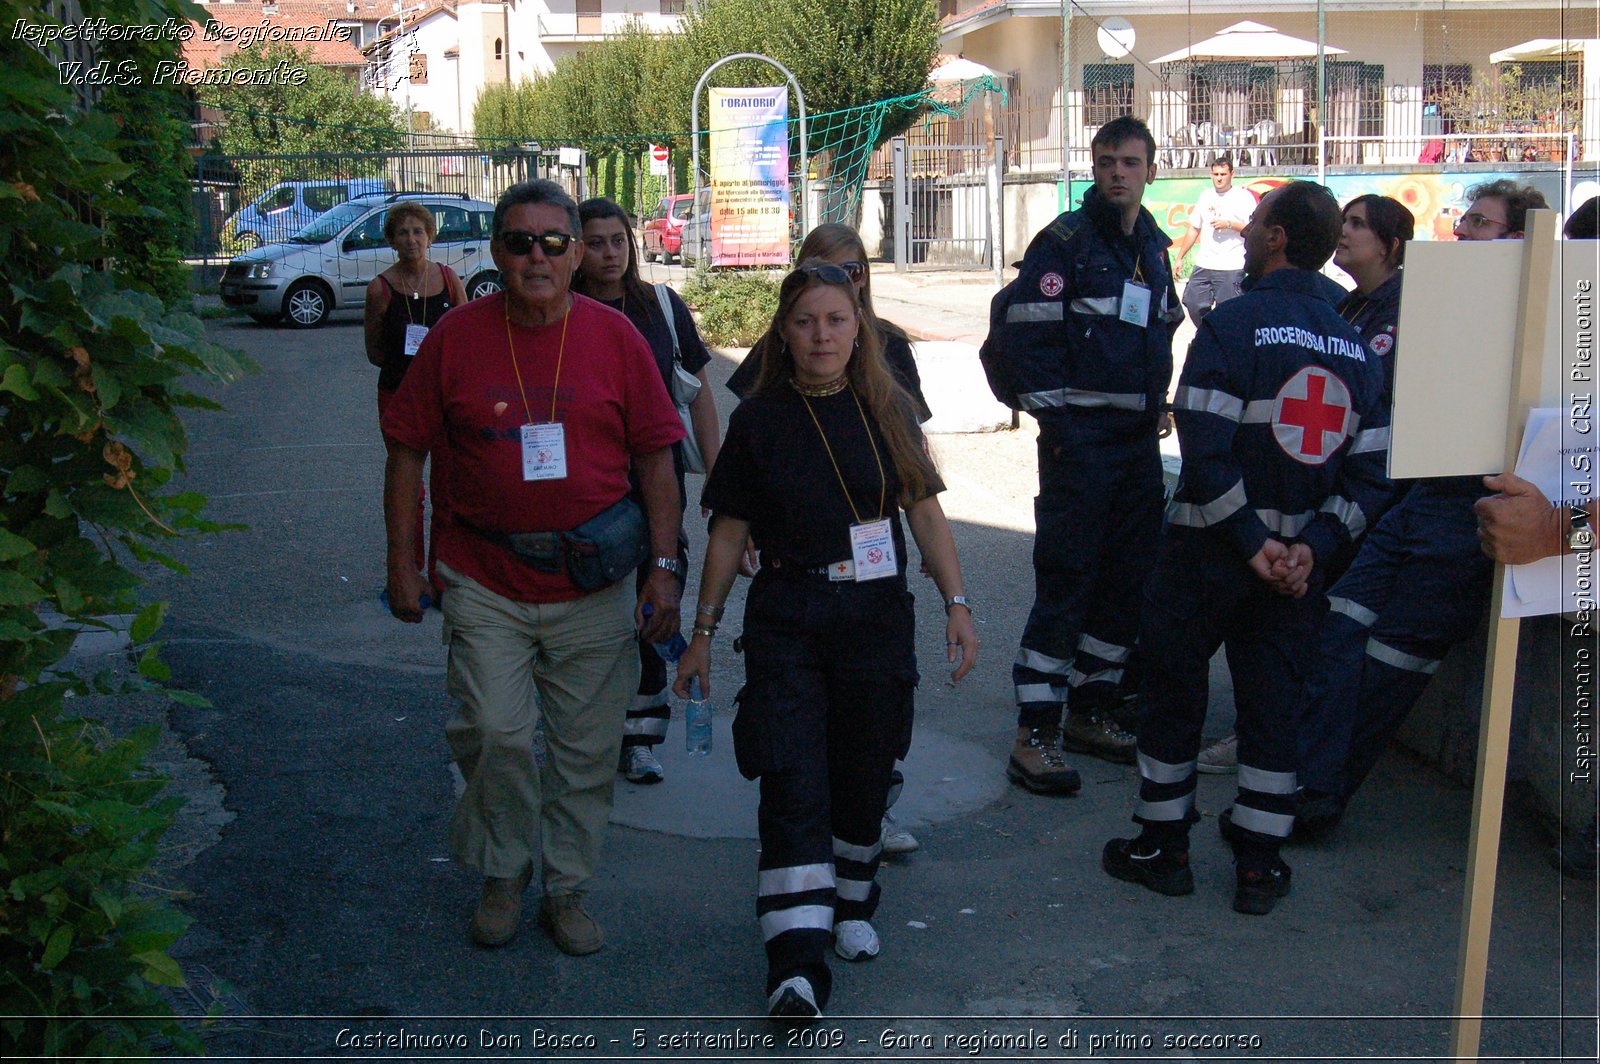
1284	441
1086	342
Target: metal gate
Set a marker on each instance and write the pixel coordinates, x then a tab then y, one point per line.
946	205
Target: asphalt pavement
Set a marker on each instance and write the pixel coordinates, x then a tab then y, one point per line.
331	923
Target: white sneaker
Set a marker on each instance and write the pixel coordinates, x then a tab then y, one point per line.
794	999
1220	758
895	840
639	765
855	940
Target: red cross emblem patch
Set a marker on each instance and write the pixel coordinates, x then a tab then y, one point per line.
1051	284
1311	415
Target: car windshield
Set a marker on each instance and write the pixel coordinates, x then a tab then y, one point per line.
328	225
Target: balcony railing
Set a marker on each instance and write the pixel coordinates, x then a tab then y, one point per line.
564	27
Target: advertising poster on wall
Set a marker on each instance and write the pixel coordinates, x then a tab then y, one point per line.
1436	200
750	177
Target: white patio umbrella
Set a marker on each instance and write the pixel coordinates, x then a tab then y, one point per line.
1546	48
1249	40
957	68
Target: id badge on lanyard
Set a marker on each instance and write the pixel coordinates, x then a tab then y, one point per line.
872	549
414	337
544	452
1135	304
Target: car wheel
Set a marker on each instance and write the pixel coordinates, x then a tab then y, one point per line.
247	241
307	304
485	284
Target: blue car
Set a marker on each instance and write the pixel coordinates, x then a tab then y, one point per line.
289	206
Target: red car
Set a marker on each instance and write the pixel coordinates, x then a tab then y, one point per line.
662	232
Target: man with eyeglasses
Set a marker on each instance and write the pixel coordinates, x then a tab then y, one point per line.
534	404
1417	587
1083	337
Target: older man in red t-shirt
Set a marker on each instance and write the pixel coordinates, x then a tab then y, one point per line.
534	403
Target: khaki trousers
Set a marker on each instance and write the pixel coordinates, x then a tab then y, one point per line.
579	659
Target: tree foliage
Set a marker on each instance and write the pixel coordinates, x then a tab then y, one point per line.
325	115
844	54
93	372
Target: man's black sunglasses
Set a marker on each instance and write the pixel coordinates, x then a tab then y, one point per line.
520	242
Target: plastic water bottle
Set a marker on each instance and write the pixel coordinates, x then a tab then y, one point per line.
697	720
673	648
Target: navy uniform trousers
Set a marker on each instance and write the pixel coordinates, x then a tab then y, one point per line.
1418	586
1202	595
824	714
651	709
1098	516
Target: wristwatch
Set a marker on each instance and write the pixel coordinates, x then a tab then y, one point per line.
1580	537
671	565
958	600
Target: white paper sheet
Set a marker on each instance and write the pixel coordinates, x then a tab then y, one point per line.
1550	585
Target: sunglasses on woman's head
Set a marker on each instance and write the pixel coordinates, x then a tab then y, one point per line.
829	273
520	242
855	268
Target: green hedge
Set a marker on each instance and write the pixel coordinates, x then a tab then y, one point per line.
734	308
95	366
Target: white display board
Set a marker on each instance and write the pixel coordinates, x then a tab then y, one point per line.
1458	325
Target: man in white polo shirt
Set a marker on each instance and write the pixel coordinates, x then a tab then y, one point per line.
1216	222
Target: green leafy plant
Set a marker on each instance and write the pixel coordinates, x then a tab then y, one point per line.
733	308
94	371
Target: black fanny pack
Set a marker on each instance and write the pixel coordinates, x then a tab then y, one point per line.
596	554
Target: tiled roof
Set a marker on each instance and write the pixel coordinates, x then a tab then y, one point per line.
975	9
416	14
199	52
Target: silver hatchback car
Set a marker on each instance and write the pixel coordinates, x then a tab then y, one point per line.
328	264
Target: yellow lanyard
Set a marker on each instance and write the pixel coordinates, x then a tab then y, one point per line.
883	482
1356	310
560	354
1138	270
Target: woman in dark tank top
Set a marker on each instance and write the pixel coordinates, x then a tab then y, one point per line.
403	302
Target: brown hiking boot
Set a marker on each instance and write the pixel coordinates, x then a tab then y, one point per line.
1097	736
499	909
1037	764
573	930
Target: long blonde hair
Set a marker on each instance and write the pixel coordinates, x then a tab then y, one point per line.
881	395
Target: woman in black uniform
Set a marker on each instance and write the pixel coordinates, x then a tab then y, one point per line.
816	466
841	245
404	302
609	273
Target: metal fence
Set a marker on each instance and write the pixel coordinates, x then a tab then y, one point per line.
1365	128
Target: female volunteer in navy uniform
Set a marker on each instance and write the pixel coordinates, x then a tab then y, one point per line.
813	467
609	273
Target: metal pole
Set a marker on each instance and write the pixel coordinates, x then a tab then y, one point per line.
902	206
1066	96
1322	92
997	191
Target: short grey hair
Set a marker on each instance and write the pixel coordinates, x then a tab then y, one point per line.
537	192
